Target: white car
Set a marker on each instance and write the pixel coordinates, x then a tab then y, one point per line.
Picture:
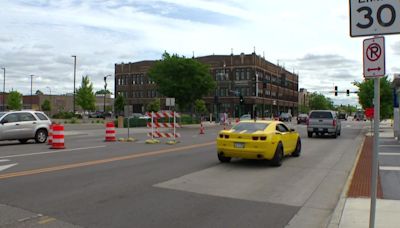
24	125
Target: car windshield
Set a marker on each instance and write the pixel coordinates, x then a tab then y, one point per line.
250	126
321	115
302	115
2	114
285	114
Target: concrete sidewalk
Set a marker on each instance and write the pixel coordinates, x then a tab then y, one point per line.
353	208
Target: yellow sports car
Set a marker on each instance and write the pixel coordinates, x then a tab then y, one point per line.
249	139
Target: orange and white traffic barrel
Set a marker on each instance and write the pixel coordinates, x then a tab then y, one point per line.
50	137
58	137
110	132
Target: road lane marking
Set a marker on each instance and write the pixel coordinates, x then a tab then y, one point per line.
390	154
389	145
102	161
389	168
4	160
46	219
51	152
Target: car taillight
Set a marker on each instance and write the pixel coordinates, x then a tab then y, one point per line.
334	123
263	138
221	135
255	137
227	136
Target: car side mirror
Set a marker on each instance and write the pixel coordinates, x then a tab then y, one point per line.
292	130
3	122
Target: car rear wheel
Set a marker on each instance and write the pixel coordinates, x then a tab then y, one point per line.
223	159
309	134
41	136
297	150
278	156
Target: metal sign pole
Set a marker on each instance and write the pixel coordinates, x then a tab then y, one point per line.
375	152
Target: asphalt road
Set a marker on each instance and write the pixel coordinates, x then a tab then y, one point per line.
93	183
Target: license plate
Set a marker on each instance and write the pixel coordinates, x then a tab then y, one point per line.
239	145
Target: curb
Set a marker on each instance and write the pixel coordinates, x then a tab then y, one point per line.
338	212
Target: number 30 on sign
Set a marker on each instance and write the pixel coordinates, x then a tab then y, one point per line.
374	17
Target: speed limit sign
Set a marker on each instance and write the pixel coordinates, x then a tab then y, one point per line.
373	17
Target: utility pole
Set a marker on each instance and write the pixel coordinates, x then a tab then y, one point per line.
31	91
74	56
4	88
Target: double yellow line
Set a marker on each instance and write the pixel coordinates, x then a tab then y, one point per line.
102	161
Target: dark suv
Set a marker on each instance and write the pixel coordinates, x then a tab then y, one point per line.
24	125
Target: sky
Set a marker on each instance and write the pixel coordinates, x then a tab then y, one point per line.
310	38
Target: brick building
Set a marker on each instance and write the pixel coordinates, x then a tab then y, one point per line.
266	88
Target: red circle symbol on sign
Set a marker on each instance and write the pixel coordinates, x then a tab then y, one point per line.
374	52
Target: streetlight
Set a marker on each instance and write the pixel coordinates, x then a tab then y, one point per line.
105	93
4	88
74	56
51	98
31	91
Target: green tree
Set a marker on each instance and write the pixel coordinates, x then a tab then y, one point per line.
366	96
200	107
185	79
320	102
14	100
153	106
119	104
304	109
101	92
46	106
85	96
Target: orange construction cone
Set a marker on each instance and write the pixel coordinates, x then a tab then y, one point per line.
50	138
110	132
201	129
58	137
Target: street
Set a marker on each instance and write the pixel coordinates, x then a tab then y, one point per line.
93	183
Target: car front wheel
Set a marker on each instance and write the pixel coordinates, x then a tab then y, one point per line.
41	136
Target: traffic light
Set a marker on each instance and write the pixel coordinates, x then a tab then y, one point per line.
348	92
241	99
336	90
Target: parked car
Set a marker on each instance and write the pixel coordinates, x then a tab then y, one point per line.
284	116
342	116
322	122
245	117
140	116
261	139
302	118
359	116
24	125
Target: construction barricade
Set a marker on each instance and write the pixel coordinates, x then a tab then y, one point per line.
110	132
58	137
155	125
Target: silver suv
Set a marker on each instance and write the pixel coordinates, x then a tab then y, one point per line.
323	122
24	125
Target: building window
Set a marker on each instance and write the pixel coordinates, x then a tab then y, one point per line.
237	75
242	74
